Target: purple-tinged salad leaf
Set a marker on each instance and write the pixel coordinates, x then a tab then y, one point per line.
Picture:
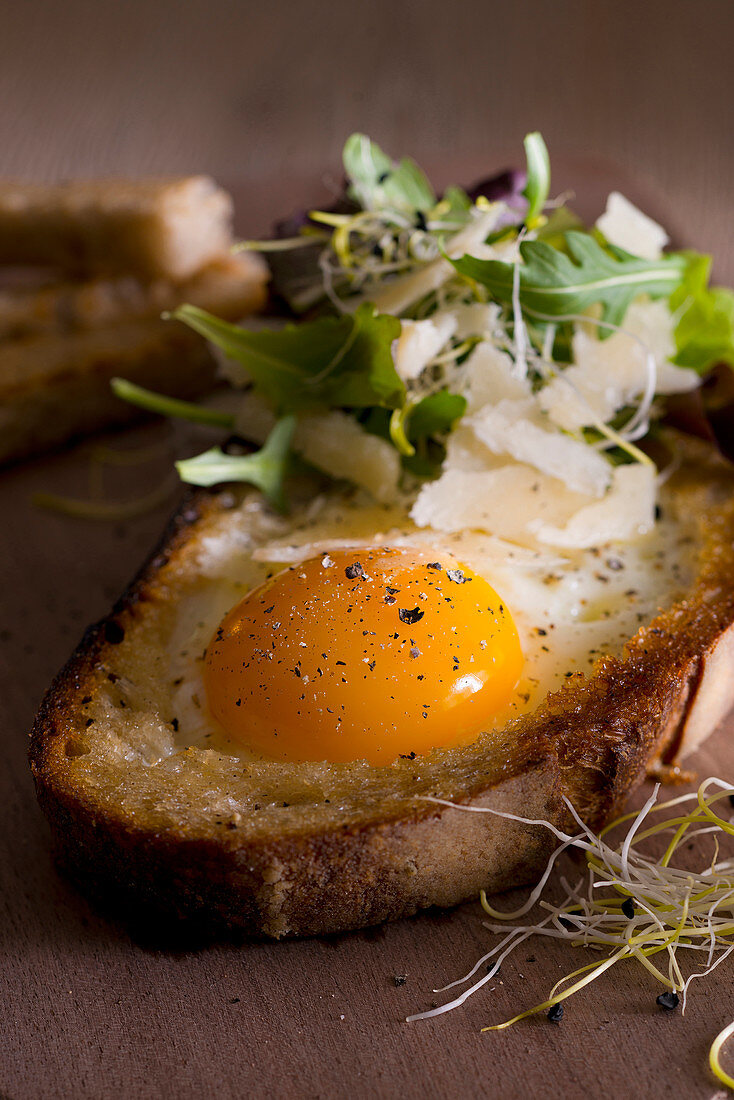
506	186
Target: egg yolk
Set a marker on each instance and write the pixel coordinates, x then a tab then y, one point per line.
368	654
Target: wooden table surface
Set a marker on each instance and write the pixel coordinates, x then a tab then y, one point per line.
637	95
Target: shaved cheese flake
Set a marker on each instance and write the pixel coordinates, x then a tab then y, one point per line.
337	444
499	501
333	442
419	342
465	452
608	375
476	319
625	513
490	378
507	428
627	227
654	325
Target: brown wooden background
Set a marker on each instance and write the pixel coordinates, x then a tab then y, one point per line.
262	96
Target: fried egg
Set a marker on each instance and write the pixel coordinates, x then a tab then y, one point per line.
342	658
271	653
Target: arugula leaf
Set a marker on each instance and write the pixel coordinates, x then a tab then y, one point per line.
169	406
265	468
377	183
331	362
435	415
704	335
421	424
552	285
538	184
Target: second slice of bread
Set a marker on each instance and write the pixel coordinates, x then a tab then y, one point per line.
55	383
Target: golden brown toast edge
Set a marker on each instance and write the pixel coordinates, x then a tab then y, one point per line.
592	741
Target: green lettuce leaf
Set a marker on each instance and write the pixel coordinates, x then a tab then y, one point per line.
377	183
704	335
266	468
553	285
331	362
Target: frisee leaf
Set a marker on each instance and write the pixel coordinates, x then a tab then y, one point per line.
265	468
332	362
553	285
377	183
704	334
537	187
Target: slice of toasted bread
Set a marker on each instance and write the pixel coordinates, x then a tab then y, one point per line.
232	286
55	384
296	849
154	228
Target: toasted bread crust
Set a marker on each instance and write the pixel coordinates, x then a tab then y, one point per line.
55	387
592	742
166	228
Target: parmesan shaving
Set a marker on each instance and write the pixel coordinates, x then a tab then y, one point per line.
510	428
625	513
419	342
501	502
627	227
332	442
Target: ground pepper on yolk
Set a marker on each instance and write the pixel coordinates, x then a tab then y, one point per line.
368	654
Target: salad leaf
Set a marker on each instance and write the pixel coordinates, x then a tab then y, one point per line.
169	406
704	335
556	225
435	414
552	285
377	183
364	161
457	201
265	468
507	186
331	362
537	187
